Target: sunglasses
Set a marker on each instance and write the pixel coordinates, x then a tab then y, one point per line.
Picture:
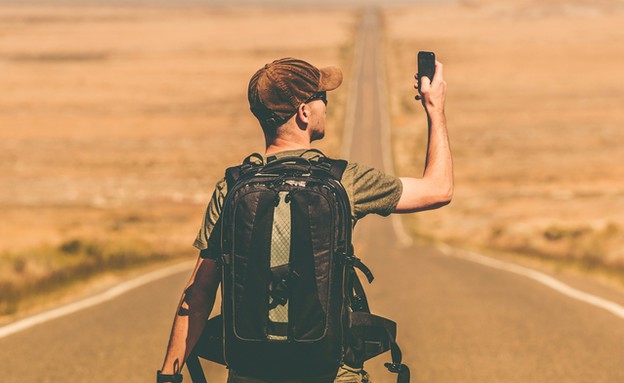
318	96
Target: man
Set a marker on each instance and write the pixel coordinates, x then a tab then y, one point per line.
288	97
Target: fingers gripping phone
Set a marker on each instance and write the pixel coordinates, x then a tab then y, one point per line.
426	66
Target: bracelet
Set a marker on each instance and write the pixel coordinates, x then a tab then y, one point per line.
166	378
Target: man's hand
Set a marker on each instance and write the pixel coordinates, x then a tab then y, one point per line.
432	92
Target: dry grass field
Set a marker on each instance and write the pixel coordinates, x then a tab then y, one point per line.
536	118
115	124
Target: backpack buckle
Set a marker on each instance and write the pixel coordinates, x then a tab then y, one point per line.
394	367
325	165
280	286
357	303
400	369
224	259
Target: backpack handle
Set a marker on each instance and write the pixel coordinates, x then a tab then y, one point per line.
249	160
298	163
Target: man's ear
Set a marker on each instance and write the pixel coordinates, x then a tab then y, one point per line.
303	114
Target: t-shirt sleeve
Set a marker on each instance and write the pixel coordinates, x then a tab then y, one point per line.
372	191
206	238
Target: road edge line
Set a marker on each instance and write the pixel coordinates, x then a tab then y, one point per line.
537	276
386	142
356	69
107	295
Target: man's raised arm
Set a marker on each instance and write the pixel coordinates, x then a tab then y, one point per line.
435	188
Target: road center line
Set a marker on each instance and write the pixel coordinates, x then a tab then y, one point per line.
386	137
354	88
368	30
537	276
107	295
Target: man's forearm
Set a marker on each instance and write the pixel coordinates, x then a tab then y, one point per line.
439	161
190	319
188	325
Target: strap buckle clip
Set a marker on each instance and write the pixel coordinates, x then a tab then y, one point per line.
168	378
394	367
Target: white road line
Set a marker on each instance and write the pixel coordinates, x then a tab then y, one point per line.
354	88
107	295
537	276
404	238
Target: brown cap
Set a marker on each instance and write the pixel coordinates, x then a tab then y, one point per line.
276	91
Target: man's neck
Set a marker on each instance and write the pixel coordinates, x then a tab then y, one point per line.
280	145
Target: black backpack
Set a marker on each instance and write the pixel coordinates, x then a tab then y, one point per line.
292	303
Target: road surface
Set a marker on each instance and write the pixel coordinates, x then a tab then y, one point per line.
459	321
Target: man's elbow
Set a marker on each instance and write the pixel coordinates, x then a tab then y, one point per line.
429	202
441	189
441	193
446	196
440	200
420	194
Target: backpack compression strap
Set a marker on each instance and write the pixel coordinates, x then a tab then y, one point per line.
397	367
255	161
195	369
209	346
335	167
374	330
377	335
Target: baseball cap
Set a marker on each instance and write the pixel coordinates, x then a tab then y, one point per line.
276	90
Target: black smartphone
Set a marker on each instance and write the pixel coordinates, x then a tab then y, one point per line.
426	66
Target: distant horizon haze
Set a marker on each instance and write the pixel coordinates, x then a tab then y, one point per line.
175	3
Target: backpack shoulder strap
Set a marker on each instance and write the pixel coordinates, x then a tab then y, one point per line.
232	174
335	167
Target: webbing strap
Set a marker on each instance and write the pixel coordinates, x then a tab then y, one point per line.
397	367
359	302
195	369
255	161
358	264
231	176
366	322
338	168
335	167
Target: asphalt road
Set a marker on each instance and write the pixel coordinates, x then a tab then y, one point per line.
459	321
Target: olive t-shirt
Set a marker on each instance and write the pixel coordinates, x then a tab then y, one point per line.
369	191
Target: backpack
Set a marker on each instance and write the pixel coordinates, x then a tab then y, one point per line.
292	303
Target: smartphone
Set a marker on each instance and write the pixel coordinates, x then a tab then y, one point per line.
426	66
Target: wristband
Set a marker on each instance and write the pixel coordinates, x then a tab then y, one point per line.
166	378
